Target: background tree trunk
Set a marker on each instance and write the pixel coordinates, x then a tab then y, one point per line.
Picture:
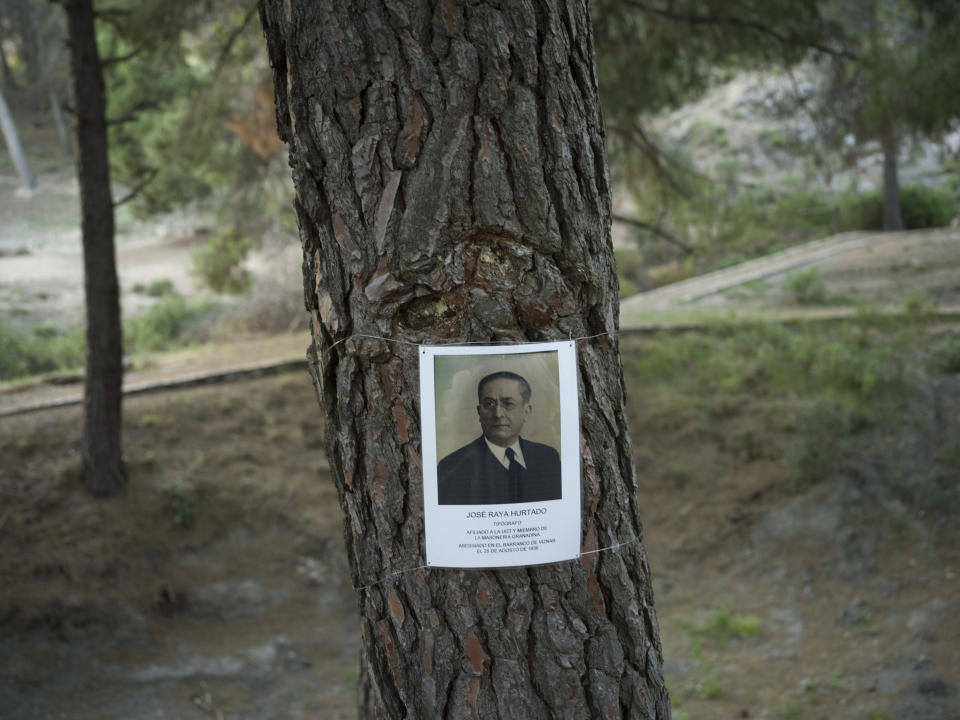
103	468
12	138
49	60
452	186
20	13
8	82
892	218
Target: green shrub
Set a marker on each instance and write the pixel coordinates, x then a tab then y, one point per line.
42	349
802	395
727	223
945	355
719	627
819	438
180	501
14	360
156	289
919	304
162	325
926	207
920	207
218	262
807	287
627	287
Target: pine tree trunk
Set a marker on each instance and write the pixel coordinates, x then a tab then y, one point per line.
892	218
8	82
21	17
49	61
103	468
452	186
12	138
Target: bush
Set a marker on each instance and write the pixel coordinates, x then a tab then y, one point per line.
627	287
920	206
162	325
218	264
156	289
924	207
40	350
945	355
45	348
720	627
807	287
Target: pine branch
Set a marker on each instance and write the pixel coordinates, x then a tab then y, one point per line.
658	231
663	164
112	16
137	189
111	61
133	114
234	35
732	20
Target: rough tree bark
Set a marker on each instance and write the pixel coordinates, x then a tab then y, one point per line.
103	469
452	186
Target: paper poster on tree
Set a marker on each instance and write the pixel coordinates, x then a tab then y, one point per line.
501	466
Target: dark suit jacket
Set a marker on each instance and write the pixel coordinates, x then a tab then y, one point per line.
472	475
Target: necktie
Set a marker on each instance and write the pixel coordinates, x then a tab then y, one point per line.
515	470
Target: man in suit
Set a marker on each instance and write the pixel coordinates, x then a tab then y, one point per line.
500	466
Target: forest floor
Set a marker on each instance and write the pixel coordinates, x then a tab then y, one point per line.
805	551
216	584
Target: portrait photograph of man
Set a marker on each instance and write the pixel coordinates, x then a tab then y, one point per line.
498	444
501	454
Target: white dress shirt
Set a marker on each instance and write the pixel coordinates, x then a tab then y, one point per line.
501	453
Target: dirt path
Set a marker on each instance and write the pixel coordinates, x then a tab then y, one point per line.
883	270
887	270
245	357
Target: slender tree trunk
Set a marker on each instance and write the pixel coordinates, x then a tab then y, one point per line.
892	219
21	13
48	63
57	113
103	468
12	138
8	81
452	186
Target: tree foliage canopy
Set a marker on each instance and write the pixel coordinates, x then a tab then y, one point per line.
193	109
902	73
654	56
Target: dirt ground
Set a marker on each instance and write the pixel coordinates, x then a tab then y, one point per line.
842	275
216	586
838	600
41	260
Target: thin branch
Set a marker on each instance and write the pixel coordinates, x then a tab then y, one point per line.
123	120
734	21
108	13
109	62
228	46
658	231
661	160
137	189
133	114
112	17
